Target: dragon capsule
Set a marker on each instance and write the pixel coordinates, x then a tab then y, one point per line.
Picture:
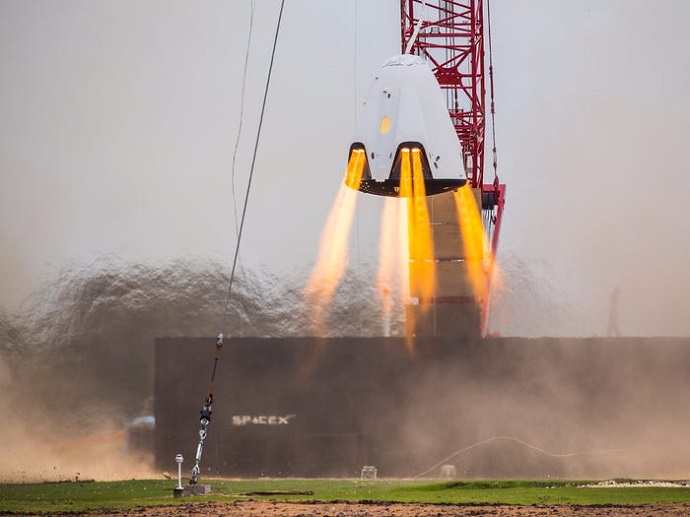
405	118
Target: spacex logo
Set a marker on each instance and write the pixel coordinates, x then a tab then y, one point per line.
242	420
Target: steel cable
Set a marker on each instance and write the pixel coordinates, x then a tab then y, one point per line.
251	169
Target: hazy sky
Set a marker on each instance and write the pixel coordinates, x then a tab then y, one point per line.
118	122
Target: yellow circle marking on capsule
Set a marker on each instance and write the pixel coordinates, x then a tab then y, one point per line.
385	125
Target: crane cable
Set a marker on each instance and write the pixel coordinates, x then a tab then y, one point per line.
488	215
520	442
205	413
491	89
251	170
239	126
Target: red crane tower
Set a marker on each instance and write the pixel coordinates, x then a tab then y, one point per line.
449	34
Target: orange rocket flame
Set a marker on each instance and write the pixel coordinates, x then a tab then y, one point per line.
477	254
404	257
384	279
332	260
355	168
393	281
421	270
422	262
403	251
393	258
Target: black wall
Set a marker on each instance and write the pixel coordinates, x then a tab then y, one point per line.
525	407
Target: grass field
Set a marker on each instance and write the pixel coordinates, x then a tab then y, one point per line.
83	496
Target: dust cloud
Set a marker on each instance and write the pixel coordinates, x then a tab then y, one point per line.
540	408
525	303
41	443
76	369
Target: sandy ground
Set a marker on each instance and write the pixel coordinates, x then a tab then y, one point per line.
266	508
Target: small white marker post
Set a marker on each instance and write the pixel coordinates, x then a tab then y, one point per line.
179	489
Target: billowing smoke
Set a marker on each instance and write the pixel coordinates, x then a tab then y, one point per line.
524	303
551	407
78	366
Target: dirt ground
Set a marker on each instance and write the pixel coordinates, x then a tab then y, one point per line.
266	508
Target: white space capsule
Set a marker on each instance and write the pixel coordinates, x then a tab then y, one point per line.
406	112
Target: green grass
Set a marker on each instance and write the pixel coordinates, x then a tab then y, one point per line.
85	496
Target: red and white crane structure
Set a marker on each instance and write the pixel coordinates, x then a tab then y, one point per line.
449	34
